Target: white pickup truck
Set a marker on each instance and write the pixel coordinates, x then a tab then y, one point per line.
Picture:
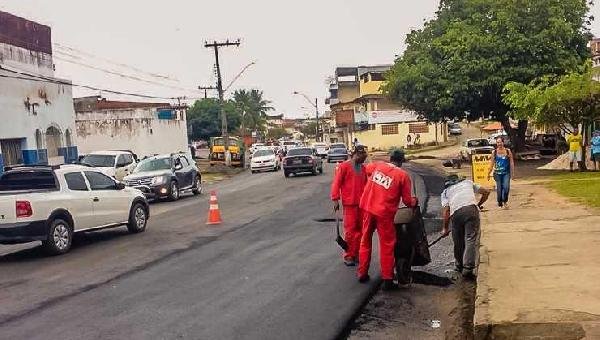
51	204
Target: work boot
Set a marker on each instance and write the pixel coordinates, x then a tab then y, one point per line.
469	275
389	285
349	261
364	278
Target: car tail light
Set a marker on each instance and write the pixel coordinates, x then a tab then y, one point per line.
23	209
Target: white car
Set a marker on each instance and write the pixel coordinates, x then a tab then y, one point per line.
322	149
116	164
255	147
475	146
265	159
51	204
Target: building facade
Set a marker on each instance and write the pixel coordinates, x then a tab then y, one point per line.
362	111
146	129
36	109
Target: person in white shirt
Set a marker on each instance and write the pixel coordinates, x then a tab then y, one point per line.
459	206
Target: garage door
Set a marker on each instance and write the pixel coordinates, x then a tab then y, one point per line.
11	151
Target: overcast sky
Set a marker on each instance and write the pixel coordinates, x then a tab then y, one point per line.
296	44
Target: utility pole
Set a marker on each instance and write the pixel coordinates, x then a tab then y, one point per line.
316	106
224	133
206	88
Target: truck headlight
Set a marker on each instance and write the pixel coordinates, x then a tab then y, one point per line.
158	180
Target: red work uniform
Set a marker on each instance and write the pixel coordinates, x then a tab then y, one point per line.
387	184
348	184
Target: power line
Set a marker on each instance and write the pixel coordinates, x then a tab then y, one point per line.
44	79
75	50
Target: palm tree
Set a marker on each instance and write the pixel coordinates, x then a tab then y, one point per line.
253	108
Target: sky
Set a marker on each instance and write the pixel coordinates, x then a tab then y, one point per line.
295	45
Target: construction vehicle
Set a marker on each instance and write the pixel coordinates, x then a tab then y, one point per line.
217	151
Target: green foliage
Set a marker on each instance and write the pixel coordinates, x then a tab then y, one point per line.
461	60
277	133
253	108
204	119
309	129
571	99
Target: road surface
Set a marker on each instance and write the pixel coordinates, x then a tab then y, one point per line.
270	271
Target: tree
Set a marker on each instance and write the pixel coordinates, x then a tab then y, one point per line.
565	101
461	60
204	119
253	108
277	133
309	129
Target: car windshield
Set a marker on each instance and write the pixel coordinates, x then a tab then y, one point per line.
478	143
220	142
154	164
300	152
338	146
320	146
339	150
261	153
99	160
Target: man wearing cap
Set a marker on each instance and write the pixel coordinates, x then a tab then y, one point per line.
458	203
348	184
387	183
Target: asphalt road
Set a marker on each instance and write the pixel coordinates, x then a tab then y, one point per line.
268	272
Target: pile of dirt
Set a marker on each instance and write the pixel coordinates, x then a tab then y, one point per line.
563	161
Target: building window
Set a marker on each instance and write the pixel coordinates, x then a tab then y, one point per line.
372	126
389	129
377	77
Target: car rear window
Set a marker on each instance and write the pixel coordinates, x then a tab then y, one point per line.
300	152
28	180
340	151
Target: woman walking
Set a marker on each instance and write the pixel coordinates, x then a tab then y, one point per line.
502	165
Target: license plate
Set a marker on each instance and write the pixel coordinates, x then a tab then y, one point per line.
297	161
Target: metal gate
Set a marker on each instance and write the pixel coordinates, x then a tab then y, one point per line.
11	151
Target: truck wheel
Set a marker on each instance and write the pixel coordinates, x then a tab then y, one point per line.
138	218
60	237
197	188
174	191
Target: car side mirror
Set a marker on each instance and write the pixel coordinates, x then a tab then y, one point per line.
119	185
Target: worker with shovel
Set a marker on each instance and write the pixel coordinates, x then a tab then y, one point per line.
387	184
460	208
348	184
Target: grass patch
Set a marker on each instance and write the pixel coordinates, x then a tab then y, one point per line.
580	186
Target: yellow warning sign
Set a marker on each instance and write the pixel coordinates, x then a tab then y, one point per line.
481	168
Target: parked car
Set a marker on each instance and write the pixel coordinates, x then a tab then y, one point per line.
337	155
454	129
322	149
492	138
299	160
50	204
116	164
475	146
265	159
166	176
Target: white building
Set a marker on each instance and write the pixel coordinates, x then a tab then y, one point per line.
144	128
37	119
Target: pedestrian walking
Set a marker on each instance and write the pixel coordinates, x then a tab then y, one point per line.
502	166
386	185
459	207
575	141
596	150
348	185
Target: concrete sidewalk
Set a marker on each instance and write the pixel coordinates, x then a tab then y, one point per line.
539	276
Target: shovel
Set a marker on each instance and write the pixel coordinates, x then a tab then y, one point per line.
340	241
436	241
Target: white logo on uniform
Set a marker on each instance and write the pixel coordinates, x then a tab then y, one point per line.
381	179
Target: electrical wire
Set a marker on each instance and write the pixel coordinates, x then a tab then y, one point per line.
44	79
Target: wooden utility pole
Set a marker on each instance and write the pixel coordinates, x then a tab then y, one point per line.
224	133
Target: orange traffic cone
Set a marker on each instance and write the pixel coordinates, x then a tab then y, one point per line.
214	214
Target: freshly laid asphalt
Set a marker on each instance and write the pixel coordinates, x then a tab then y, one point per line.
270	271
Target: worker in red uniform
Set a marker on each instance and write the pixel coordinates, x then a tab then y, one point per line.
386	185
348	184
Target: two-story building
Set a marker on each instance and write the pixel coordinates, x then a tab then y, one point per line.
36	108
362	111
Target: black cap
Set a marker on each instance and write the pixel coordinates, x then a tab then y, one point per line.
360	148
397	156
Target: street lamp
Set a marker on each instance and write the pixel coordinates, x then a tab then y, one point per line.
316	106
